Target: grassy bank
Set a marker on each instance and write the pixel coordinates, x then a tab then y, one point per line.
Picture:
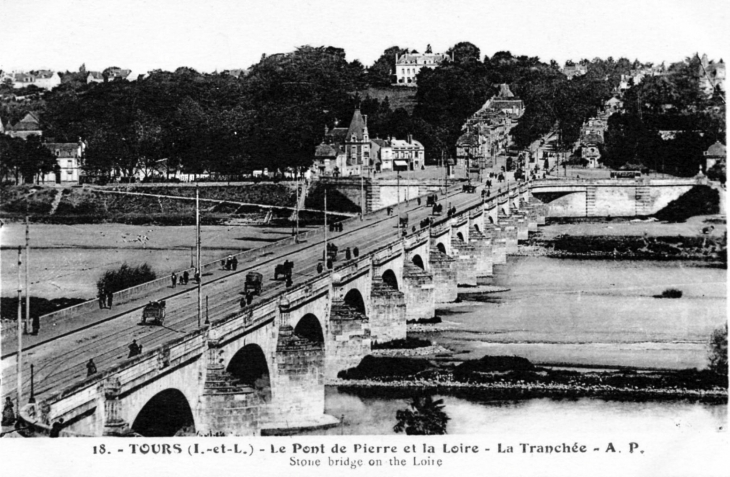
90	206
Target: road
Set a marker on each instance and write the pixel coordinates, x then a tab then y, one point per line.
61	360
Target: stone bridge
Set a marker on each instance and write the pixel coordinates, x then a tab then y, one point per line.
615	197
263	369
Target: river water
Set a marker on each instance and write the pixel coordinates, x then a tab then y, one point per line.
592	312
576	313
365	414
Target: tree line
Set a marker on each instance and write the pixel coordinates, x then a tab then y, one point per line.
274	116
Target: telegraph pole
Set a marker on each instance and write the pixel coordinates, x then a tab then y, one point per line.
362	194
199	268
27	274
296	239
19	360
325	227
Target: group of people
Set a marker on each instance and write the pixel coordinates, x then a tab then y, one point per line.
134	349
451	212
230	263
335	226
105	298
182	279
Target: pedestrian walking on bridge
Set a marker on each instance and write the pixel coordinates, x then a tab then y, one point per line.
134	349
8	412
102	298
35	324
185	277
173	277
90	368
109	299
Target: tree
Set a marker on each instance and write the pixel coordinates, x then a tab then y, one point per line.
425	417
464	52
718	351
381	73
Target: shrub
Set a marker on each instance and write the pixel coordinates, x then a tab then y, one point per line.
376	367
671	293
408	343
126	277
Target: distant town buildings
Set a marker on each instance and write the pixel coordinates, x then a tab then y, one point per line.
44	79
486	132
109	74
408	65
351	151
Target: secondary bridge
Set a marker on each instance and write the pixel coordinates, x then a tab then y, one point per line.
262	368
610	197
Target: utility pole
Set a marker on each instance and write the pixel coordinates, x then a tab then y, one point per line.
27	274
325	228
199	268
19	360
296	239
362	195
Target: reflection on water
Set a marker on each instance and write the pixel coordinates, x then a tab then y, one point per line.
365	414
598	312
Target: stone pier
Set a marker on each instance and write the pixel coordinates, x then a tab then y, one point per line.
419	291
388	312
443	269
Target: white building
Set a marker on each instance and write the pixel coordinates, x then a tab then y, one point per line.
398	154
44	79
68	161
408	65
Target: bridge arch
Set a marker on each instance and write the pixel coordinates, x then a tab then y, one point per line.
167	413
441	248
310	328
249	367
390	279
460	236
418	261
355	300
476	226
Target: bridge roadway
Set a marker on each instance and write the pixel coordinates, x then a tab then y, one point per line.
61	361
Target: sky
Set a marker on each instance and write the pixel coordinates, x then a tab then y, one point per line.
217	35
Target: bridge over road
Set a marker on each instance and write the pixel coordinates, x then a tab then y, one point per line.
261	368
614	197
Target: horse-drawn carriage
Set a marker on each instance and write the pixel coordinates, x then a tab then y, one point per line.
431	200
283	269
469	188
253	283
154	312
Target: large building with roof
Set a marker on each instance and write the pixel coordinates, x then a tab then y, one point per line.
408	65
351	151
28	126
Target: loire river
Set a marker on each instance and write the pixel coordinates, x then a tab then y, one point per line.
365	414
592	312
573	312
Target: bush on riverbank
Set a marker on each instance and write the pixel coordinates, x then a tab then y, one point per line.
638	247
375	367
491	364
38	306
425	321
671	293
699	200
407	343
126	277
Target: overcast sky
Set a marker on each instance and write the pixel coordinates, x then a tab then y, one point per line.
213	35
